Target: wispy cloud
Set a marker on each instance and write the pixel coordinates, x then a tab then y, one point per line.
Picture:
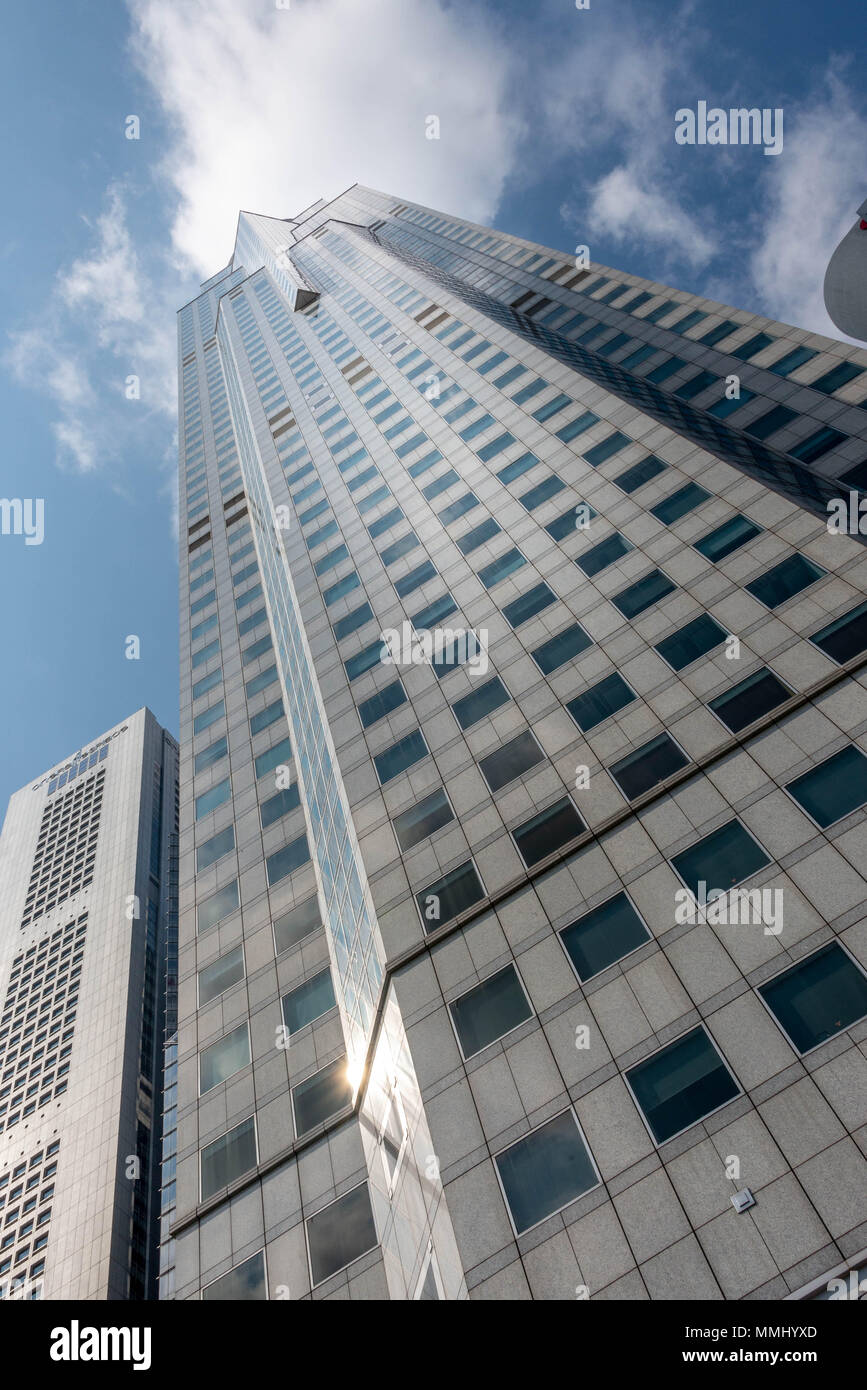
812	193
105	320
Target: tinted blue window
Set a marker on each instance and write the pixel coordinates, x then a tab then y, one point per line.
640	473
287	859
548	487
600	701
717	544
430	616
548	831
678	1086
686	499
750	699
598	938
817	998
785	580
515	469
845	637
520	610
341	588
354	620
691	642
576	427
481	702
381	704
400	756
643	594
210	800
477	536
502	567
560	649
214	849
266	717
599	556
606	449
286	800
308	1002
722	859
458	509
399	548
211	755
364	660
650	764
490	1011
835	788
273	757
442	901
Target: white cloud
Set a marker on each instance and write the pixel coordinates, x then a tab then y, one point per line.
105	319
814	189
610	98
274	108
624	210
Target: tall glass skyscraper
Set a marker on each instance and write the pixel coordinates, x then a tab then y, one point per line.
86	862
523	902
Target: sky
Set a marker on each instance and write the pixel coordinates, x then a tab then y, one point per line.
556	123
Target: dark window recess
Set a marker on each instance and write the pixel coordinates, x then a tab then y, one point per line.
296	925
770	422
602	936
845	637
480	703
678	1086
817	998
686	499
750	700
562	648
720	860
520	610
600	701
643	594
640	473
548	831
784	580
734	533
692	641
381	704
512	760
423	819
599	556
489	1011
647	766
834	789
449	896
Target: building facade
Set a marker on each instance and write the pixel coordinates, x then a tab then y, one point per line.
85	855
523	909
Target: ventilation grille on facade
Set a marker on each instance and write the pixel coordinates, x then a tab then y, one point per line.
66	847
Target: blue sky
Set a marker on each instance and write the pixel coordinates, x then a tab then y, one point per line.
555	124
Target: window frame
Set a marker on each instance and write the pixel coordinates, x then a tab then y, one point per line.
570	1108
512	964
657	1143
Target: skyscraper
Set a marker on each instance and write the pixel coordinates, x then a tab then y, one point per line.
523	910
85	857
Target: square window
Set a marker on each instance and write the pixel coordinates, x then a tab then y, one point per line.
548	831
451	895
296	925
244	1283
784	580
750	699
423	819
542	1173
690	642
308	1002
489	1011
512	760
224	1058
817	998
321	1096
604	935
681	1084
600	702
475	706
220	975
721	860
834	789
228	1158
649	765
845	637
340	1233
